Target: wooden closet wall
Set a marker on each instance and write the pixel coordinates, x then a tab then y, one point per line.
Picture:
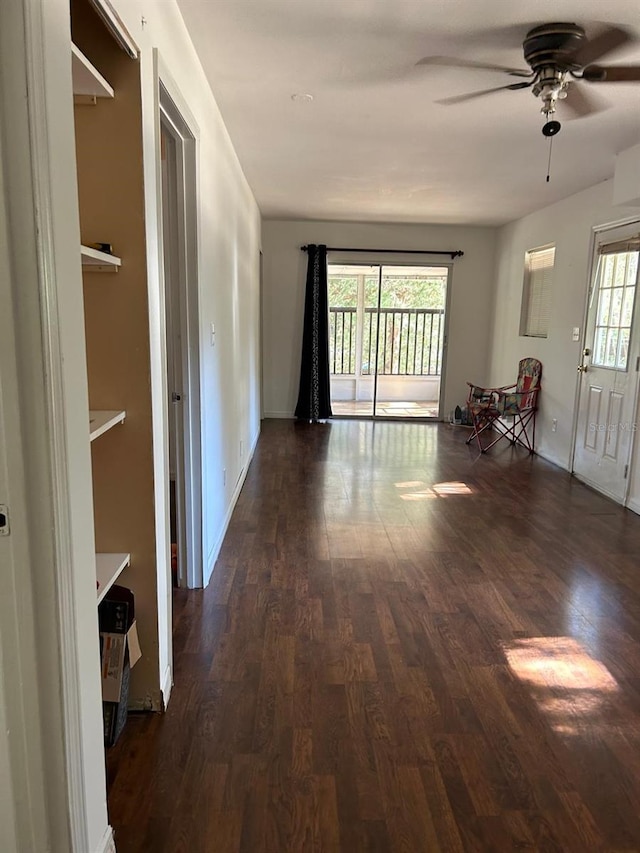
116	309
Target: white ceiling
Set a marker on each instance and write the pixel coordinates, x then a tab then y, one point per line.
373	145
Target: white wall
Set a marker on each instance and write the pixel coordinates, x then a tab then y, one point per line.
284	285
569	225
228	261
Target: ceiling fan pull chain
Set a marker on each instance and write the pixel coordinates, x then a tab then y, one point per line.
549	161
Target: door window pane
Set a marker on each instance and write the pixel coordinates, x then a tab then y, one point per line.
612	348
343	299
616	306
627	307
604	307
599	347
623	347
412	308
616	288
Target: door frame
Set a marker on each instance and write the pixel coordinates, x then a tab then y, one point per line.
374	259
57	659
173	273
23	816
175	116
596	232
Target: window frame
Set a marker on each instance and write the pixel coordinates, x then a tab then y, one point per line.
532	324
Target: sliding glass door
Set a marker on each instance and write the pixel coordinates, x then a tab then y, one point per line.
387	339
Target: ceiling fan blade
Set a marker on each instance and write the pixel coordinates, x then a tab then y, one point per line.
611	73
603	42
469	96
452	62
580	103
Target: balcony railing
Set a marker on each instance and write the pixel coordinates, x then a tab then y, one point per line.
410	341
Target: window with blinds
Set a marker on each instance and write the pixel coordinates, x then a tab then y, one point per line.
536	292
616	279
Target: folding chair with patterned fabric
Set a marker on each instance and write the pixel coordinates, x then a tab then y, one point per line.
510	410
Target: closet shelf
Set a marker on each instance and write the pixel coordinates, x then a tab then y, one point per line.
100	422
108	569
96	261
88	82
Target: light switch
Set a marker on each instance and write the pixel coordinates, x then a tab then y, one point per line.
213	334
576	333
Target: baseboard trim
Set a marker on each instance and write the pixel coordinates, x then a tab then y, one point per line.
634	506
599	489
215	551
280	415
553	461
107	844
165	686
151	702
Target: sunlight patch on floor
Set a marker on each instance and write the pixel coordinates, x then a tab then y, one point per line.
423	492
568	684
444	489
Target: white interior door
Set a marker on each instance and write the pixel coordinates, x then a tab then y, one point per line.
609	369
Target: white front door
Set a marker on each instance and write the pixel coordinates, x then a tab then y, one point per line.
609	367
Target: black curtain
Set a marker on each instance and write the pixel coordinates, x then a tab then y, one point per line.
314	396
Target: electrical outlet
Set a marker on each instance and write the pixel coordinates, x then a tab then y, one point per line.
554	425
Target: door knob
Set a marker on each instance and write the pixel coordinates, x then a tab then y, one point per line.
582	368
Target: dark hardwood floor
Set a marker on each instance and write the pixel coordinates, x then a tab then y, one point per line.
404	647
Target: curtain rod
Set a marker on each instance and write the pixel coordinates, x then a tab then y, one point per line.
452	253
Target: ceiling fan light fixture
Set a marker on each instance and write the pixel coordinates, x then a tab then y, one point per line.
558	54
550	86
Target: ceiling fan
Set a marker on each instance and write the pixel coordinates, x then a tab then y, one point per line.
560	56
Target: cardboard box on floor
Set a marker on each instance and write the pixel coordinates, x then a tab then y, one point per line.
119	651
114	647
